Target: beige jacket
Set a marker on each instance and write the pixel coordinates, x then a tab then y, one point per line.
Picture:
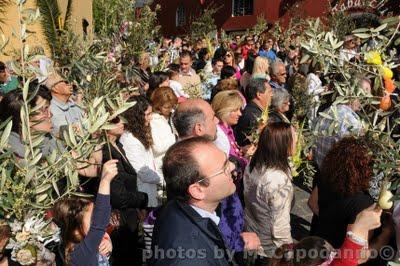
190	82
268	196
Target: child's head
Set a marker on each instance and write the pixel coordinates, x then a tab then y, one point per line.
312	251
73	216
173	71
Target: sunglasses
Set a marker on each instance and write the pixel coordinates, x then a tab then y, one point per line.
61	81
115	120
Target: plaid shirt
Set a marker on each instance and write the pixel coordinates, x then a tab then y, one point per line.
344	121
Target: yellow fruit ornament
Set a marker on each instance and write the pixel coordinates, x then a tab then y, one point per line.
387	73
385	196
373	58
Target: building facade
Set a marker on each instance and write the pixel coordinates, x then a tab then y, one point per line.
238	15
81	24
234	15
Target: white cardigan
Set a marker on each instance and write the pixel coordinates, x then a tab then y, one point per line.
163	138
143	162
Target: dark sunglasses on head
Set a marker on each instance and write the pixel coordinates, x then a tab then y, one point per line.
115	120
61	81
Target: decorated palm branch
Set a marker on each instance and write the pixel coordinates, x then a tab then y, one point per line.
374	61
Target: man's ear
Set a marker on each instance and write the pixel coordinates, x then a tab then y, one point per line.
258	95
196	191
54	89
198	129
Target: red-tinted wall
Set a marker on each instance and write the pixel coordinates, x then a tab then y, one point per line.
272	10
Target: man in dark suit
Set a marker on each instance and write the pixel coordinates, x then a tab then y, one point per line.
258	94
186	231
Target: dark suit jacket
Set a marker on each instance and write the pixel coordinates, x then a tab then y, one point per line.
186	238
123	191
247	122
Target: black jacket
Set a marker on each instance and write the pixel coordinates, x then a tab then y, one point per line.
247	123
123	191
276	117
186	238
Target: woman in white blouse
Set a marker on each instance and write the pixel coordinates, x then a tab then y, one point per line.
163	102
136	142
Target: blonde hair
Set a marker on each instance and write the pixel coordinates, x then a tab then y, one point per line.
261	65
143	57
225	102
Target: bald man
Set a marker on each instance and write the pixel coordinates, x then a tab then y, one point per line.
195	117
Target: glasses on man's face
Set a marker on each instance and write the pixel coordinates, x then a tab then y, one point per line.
225	170
228	55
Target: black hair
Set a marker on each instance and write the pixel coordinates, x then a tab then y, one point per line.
202	53
136	120
155	80
180	168
227	72
249	62
174	67
215	60
256	85
13	101
185	54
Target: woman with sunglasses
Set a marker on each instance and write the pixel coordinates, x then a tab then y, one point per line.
268	189
229	60
125	198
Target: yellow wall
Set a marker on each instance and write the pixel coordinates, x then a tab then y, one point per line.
81	9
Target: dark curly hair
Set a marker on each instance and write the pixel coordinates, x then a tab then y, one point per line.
136	123
347	168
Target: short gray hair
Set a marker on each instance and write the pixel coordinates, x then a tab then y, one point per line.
274	67
185	120
279	96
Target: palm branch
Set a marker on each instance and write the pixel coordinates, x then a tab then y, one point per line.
50	12
68	14
3	5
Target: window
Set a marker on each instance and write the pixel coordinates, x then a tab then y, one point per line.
85	25
242	7
180	16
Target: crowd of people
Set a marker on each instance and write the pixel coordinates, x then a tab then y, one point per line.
184	182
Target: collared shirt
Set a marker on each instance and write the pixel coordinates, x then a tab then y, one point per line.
275	85
347	122
10	85
210	83
205	214
64	114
